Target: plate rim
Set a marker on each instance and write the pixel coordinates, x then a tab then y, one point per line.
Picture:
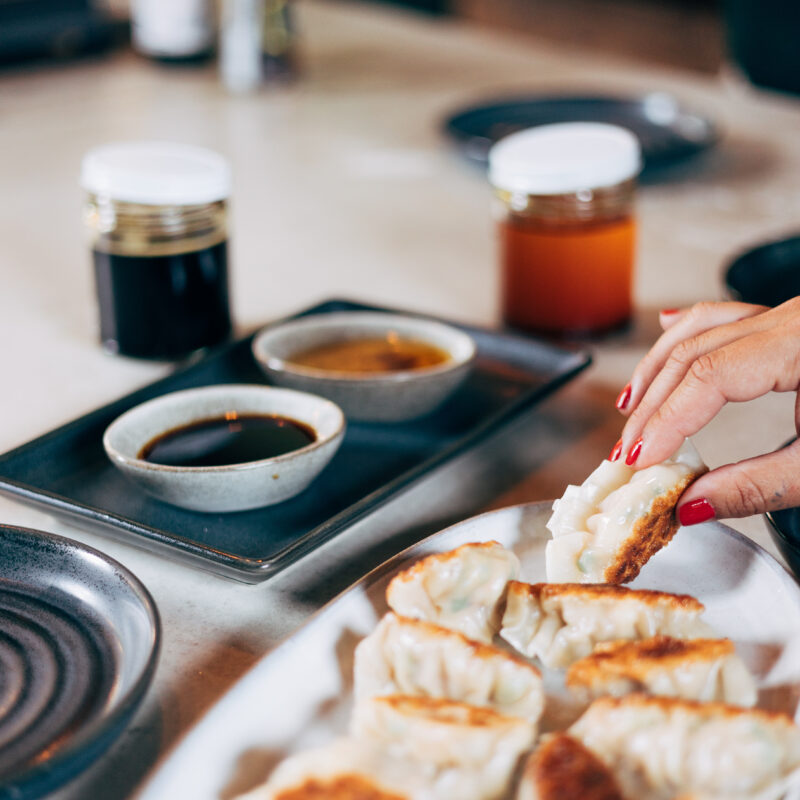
79	748
148	787
449	123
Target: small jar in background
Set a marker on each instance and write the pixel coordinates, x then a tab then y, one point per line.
156	218
173	30
564	197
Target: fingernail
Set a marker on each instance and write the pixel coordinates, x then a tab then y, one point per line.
616	452
669	311
624	398
633	453
696	511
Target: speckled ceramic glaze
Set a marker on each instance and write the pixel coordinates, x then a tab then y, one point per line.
79	639
233	487
384	397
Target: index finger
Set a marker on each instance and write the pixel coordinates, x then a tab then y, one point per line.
736	372
698	319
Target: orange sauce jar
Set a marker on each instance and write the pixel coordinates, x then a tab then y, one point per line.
564	197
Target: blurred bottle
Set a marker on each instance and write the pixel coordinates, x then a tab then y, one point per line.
173	30
257	43
240	44
278	51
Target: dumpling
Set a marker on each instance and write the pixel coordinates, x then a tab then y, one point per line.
351	769
661	748
699	669
605	530
561	622
460	589
561	768
348	769
407	656
448	735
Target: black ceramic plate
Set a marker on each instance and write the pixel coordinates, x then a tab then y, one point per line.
784	527
668	133
67	470
768	274
79	637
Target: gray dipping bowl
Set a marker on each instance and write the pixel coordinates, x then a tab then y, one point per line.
231	487
375	397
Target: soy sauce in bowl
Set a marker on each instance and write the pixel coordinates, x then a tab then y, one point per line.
226	447
229	439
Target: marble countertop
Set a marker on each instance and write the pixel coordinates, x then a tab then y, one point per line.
345	186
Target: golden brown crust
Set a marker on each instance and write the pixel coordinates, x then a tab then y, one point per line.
696	707
340	787
649	535
561	768
447	712
600	591
439	558
479	650
637	660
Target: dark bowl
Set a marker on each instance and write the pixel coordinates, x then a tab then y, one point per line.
768	274
784	528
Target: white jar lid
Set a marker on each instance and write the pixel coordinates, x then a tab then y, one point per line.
156	173
556	159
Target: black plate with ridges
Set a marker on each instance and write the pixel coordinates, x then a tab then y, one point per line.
78	644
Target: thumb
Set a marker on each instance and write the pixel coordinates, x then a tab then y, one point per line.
765	483
667	317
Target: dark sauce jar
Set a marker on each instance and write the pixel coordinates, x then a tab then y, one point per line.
156	216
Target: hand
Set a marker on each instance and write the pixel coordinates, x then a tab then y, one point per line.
709	355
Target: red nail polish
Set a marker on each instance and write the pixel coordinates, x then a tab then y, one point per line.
633	453
616	452
669	311
624	398
696	511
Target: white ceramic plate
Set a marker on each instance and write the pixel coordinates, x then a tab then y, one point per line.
299	694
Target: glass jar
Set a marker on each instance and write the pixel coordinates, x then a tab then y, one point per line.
157	223
563	201
175	30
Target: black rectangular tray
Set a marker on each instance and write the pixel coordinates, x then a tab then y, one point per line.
67	471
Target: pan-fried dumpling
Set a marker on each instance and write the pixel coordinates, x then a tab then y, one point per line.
349	769
448	735
661	748
561	622
699	669
408	656
561	768
343	769
460	589
605	530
